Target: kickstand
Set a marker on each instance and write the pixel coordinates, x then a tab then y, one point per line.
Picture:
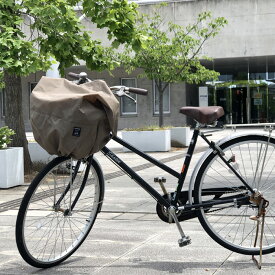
262	212
259	263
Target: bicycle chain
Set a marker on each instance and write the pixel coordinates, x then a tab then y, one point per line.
216	210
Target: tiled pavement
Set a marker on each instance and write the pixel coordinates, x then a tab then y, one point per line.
128	238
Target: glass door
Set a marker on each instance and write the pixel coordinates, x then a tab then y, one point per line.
259	102
223	99
239	113
271	104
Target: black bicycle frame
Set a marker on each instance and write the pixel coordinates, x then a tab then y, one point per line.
74	173
181	176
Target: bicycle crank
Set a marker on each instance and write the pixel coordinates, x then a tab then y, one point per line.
182	215
184	240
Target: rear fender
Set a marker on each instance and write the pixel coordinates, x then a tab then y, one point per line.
206	154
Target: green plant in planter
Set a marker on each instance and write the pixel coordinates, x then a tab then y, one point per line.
5	136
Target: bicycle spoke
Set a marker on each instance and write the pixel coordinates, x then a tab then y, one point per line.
233	226
51	231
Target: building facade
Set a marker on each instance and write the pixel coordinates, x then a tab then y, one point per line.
243	52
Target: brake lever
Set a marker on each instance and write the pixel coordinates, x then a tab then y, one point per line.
130	98
122	91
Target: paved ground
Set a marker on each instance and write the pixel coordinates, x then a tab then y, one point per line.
128	238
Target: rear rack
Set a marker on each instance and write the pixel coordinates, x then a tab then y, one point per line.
249	125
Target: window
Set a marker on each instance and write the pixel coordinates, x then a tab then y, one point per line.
3	107
31	87
128	106
166	100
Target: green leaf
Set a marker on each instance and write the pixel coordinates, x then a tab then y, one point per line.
58	32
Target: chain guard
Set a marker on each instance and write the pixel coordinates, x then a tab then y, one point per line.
182	215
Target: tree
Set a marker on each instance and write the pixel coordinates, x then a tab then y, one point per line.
172	54
35	32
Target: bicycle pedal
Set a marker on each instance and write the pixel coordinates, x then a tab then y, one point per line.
184	241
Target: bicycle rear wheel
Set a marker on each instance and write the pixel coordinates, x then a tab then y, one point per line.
230	223
57	213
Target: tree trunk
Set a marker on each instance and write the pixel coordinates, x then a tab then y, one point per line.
160	104
14	116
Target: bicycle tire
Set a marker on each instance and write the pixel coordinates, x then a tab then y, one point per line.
230	224
48	232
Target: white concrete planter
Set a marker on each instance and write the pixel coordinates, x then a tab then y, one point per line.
12	167
151	141
180	136
37	153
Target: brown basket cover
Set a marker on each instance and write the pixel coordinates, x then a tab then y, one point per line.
73	120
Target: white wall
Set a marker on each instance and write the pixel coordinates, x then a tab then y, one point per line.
250	30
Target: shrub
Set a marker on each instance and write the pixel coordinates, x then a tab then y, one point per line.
5	136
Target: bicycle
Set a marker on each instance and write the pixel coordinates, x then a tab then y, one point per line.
230	191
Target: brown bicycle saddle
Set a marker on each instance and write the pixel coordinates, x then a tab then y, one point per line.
205	115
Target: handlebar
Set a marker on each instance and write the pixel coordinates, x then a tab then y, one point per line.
117	90
82	75
73	75
138	91
121	90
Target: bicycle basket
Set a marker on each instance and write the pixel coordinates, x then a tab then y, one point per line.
73	120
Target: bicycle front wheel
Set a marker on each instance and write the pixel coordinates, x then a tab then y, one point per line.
58	211
231	224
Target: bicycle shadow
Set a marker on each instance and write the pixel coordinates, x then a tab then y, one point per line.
79	265
82	265
170	267
140	266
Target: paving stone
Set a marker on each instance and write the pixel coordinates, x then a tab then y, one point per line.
128	238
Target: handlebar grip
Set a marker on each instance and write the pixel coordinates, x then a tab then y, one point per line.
73	75
138	91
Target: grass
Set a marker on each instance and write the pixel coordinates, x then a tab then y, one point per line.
37	166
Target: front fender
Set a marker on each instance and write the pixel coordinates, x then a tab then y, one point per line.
99	171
